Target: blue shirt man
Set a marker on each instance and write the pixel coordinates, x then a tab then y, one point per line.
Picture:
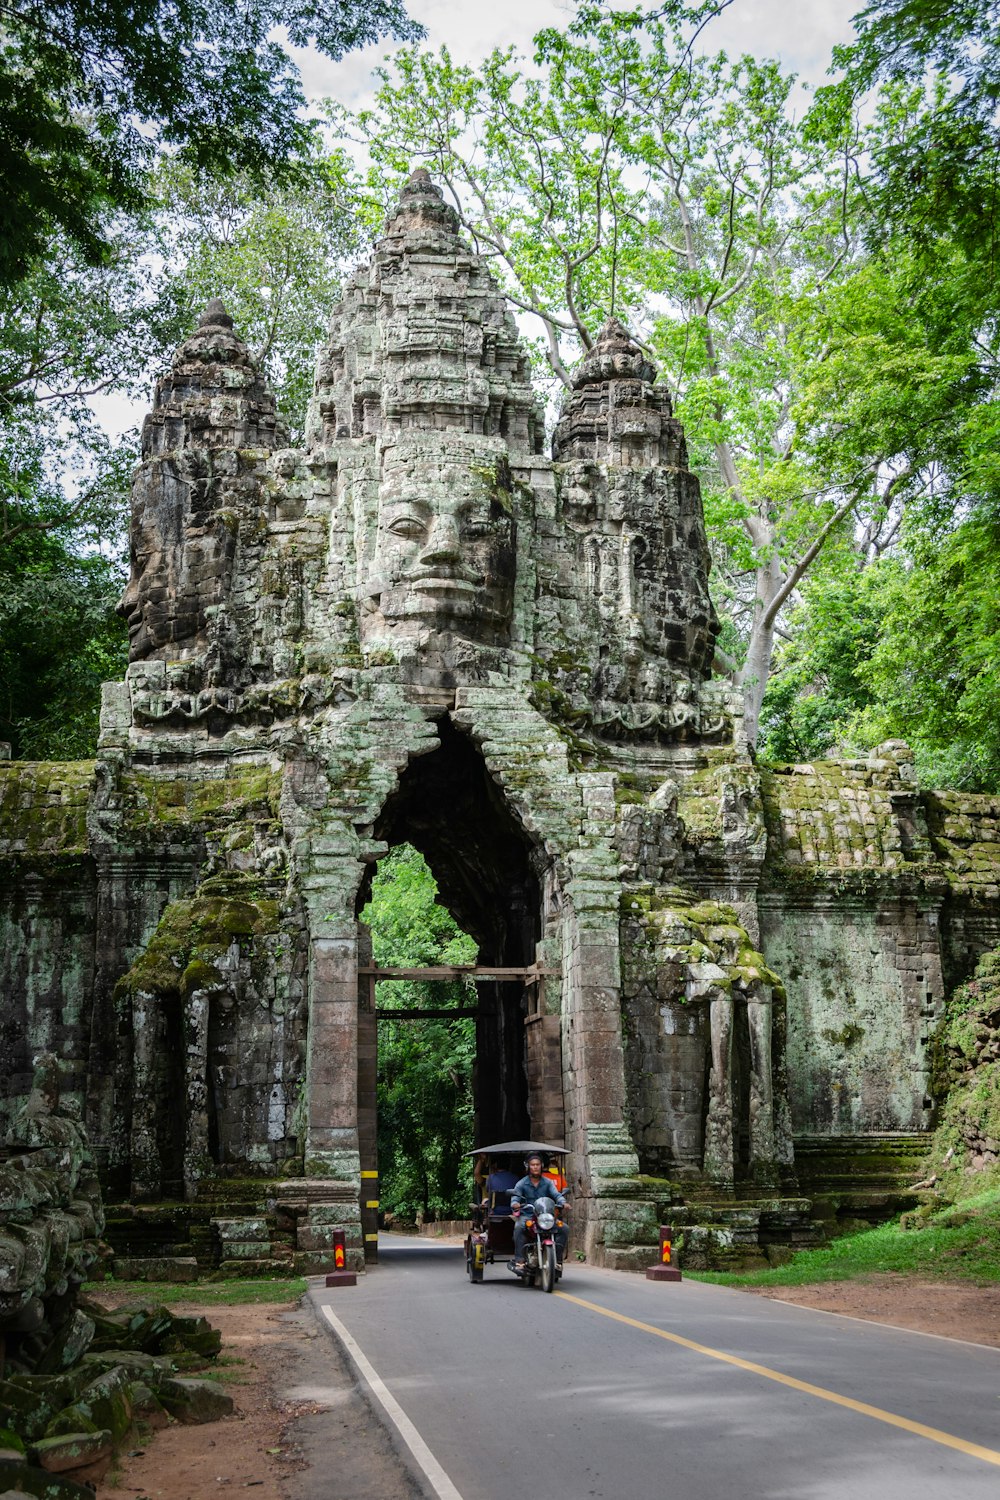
530	1188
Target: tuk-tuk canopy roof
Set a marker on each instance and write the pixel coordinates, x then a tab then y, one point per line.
522	1148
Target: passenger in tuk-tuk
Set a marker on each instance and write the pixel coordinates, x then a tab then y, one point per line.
555	1176
499	1185
530	1188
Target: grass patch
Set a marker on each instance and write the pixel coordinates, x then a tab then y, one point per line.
200	1293
957	1242
211	1371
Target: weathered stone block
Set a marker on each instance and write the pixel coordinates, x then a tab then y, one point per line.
171	1268
79	1450
194	1401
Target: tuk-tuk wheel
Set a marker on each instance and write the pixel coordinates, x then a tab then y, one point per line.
475	1271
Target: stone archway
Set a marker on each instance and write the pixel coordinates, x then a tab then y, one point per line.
489	875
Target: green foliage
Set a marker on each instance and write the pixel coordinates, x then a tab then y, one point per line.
425	1105
271	251
966	1077
59	640
935	669
935	173
68	332
817	690
93	89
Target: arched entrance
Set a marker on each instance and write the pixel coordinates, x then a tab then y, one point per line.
488	873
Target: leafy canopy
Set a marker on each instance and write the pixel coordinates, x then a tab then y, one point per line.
91	90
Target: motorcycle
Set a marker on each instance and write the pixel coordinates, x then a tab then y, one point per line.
490	1239
541	1259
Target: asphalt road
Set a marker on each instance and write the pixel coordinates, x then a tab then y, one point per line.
502	1390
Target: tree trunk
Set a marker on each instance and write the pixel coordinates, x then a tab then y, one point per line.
757	667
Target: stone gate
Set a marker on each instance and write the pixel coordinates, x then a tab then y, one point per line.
421	628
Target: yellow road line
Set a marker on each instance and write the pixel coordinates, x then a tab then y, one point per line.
934	1434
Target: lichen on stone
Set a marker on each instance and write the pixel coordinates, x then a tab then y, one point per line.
194	934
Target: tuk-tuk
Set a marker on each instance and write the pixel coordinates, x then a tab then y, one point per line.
499	1168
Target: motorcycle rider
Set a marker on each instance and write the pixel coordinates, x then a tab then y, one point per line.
530	1188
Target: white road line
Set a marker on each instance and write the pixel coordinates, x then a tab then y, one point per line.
422	1455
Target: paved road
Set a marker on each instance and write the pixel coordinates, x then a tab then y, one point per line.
655	1390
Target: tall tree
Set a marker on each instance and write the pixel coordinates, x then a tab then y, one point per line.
90	90
274	254
938	171
922	311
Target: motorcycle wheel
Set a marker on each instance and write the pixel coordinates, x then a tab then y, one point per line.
548	1267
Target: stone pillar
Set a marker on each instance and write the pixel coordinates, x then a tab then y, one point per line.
719	1124
367	1102
143	1149
332	1147
196	1154
763	1150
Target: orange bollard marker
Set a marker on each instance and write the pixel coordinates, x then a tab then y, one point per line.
340	1275
664	1270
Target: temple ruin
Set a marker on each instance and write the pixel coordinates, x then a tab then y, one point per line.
421	627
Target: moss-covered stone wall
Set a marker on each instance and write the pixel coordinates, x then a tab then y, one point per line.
48	905
864	991
875	899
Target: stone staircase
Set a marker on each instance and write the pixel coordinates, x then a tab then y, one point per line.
856	1181
742	1235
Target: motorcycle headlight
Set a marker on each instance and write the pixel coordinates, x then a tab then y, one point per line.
546	1221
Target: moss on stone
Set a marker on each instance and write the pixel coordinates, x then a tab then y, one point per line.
965	1077
845	1037
699	799
671	925
249	793
630	789
496	480
43	806
193	935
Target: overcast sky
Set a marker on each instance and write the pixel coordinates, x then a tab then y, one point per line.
799	32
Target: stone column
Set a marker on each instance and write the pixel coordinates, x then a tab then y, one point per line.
332	1060
719	1124
196	1157
763	1152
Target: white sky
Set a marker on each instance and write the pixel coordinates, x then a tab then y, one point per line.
799	32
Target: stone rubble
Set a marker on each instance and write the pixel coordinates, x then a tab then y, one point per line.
75	1379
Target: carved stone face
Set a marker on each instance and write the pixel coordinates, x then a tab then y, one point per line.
444	551
179	564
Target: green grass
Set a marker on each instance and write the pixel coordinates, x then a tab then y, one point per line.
957	1242
201	1293
227	1369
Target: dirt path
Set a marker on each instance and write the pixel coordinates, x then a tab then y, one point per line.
956	1310
299	1419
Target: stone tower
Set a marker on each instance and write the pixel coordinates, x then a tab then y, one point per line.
422	628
